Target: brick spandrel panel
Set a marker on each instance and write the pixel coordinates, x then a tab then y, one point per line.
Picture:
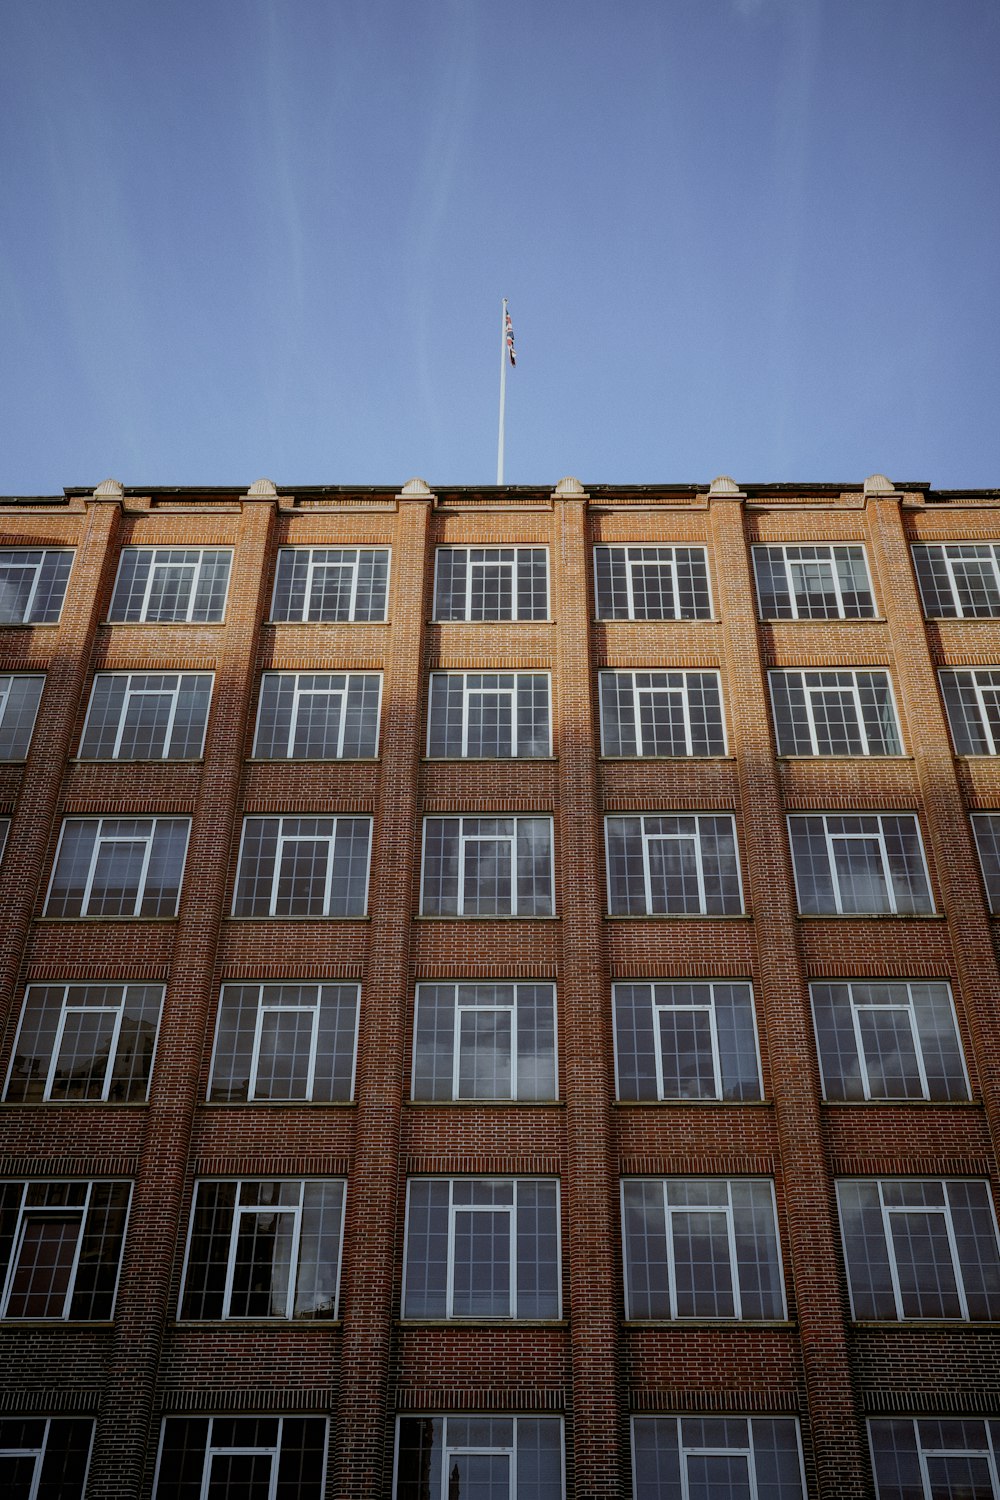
589	1367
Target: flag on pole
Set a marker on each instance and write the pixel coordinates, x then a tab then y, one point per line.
509	332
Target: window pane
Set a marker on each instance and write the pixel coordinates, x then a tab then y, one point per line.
164	584
147	716
813	582
285	1041
652	583
19	700
33	585
958	579
330	584
491	583
303	867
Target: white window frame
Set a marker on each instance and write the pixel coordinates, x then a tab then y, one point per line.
328	839
855	696
749	1452
299	693
475	838
457	1449
357	548
38	1454
860	838
628	548
910	1013
185	619
262	1010
468	548
153	818
984	720
212	1449
65	1009
61	1210
495	1008
6	683
660	693
661	1096
946	558
830	548
30	603
510	693
923	1454
131	693
675	838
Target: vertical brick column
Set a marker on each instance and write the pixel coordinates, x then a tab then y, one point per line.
373	1192
592	1181
783	1006
155	1232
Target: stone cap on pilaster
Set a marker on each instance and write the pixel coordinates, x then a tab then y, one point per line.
262	489
878	487
415	489
569	489
724	487
110	490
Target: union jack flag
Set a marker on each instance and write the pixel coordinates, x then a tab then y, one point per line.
509	329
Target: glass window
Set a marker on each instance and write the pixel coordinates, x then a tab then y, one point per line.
33	584
484	1041
264	1249
489	715
118	867
813	583
673	864
44	1458
241	1458
701	1247
171	585
20	696
285	1041
958	579
920	1248
480	1457
986	827
972	699
481	1247
487	867
4	830
318	716
888	1040
331	583
491	583
147	716
834	713
303	867
935	1458
690	1040
61	1247
85	1042
717	1458
652	583
864	863
661	713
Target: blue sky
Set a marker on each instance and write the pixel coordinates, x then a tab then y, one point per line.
270	237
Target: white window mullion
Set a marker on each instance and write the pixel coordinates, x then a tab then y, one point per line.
469	579
147	855
293	724
629	589
956	597
255	1049
835	579
515	602
512	841
713	1030
515	736
456	1058
807	694
675	588
886	867
859	1044
16	1250
790	583
890	1250
984	718
462	840
453	1212
645	867
92	870
78	1251
313	1012
466	691
195	576
355	579
122	716
310	579
341	695
955	1261
56	1046
148	588
33	590
175	697
917	1046
514	1046
699	866
331	846
293	1254
116	1032
234	1235
859	715
686	714
734	1265
752	1461
668	1224
658	1046
279	855
831	859
512	1252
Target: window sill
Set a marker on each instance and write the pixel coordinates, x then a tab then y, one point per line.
312	760
313	623
268	917
871	916
484	1103
27	625
549	620
631	759
11	1104
972	757
823	620
678	916
137	760
493	760
898	1103
784	1324
962	619
166	624
279	1104
850	759
699	1103
236	1324
557	1323
500	917
36	1324
624	620
923	1323
52	921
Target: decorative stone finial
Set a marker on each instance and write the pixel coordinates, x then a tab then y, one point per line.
569	486
723	484
416	489
110	487
877	484
262	487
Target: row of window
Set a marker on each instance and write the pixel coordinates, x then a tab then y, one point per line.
876	1040
644	582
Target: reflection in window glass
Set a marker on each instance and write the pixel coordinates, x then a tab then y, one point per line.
33	584
285	1041
652	583
661	713
958	579
327	584
834	713
673	864
118	867
888	1040
487	867
927	1458
85	1042
491	583
859	864
241	1458
44	1458
61	1245
813	583
480	1457
318	716
686	1040
20	696
147	716
303	867
171	585
972	699
717	1458
484	1041
488	715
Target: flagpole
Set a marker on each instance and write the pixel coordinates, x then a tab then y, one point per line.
503	386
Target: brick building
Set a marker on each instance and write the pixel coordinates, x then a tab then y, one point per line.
499	993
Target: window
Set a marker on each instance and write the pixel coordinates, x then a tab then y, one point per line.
285	1041
701	1247
4	830
958	579
813	583
327	584
19	699
695	1040
252	1458
33	584
85	1042
888	1040
972	699
652	583
147	716
481	1247
491	583
673	864
264	1249
986	827
303	867
118	867
661	713
479	1457
42	1457
171	585
61	1247
920	1248
865	863
484	1041
924	1458
717	1458
487	867
489	715
834	713
318	716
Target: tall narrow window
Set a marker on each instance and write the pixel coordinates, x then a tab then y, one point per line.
661	713
487	867
171	585
264	1249
318	716
958	579
489	715
118	867
935	1458
327	584
61	1247
859	864
285	1041
685	1041
724	1457
972	698
147	716
701	1247
42	1457
834	713
20	696
33	584
491	583
252	1458
85	1042
481	1247
813	583
920	1248
888	1040
673	864
652	583
484	1041
303	867
4	830
479	1456
986	828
